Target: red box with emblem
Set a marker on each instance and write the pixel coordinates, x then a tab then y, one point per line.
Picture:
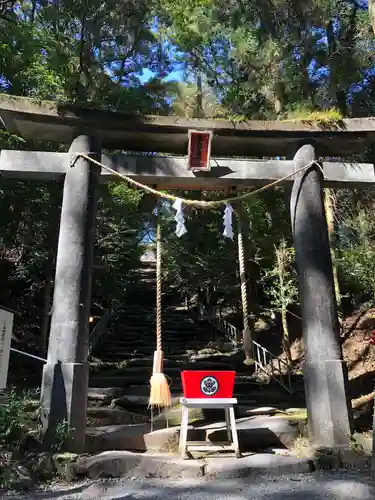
208	384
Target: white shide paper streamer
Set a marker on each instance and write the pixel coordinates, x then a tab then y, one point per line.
179	218
228	229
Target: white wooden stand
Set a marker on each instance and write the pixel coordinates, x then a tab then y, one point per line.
227	405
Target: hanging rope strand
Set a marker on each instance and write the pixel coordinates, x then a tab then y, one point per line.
160	394
194	203
159	249
241	261
247	333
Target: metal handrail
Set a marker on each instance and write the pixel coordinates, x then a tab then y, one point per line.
28	355
101	328
264	359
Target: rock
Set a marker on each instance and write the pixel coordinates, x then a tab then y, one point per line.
255	465
64	464
125	401
205	365
219	346
351	459
262	325
327	459
266	410
257	433
167	440
104	395
113	416
173	416
363	441
126	464
116	437
43	466
297	413
119	381
140	390
18	477
207	351
132	400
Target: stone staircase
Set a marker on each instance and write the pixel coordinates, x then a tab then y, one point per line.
118	415
123	356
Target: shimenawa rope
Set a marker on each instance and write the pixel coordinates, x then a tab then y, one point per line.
194	203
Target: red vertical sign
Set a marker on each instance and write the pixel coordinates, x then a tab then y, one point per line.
199	150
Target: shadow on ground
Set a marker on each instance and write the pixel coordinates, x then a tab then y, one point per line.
340	486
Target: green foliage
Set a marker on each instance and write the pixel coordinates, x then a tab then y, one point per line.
357	269
327	117
13	419
289	60
280	280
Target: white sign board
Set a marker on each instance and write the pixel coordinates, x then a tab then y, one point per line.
6	327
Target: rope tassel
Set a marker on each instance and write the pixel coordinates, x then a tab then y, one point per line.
160	394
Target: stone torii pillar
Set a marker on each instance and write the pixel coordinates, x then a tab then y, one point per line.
325	375
65	375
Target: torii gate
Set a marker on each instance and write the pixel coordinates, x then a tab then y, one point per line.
65	375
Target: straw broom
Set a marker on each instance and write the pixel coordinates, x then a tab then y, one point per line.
160	394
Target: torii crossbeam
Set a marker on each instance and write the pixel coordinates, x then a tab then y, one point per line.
65	376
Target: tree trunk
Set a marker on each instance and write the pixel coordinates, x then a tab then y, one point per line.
285	339
331	230
199	102
280	256
337	94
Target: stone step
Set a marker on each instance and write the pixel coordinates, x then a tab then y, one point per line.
200	343
142	376
145	326
102	382
171	368
173	337
135	351
140	346
115	357
113	416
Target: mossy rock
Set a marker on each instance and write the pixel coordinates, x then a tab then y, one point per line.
296	414
173	416
64	464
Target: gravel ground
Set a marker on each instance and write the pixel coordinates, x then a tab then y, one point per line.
333	486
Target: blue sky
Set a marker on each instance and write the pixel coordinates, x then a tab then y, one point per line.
175	75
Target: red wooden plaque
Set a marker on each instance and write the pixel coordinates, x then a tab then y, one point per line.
199	150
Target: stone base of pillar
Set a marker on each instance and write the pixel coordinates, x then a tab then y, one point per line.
329	417
64	397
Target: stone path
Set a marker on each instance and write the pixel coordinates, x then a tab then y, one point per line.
333	486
